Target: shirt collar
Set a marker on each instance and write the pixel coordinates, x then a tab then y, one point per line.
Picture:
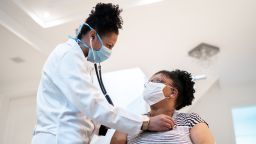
73	43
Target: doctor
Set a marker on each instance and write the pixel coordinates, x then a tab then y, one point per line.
69	107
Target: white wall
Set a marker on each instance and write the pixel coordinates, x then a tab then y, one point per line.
216	105
4	103
20	120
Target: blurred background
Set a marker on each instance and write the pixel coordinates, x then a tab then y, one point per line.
215	40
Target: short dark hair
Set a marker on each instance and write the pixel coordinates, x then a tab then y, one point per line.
104	18
182	80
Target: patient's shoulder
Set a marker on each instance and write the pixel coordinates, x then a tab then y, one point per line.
189	119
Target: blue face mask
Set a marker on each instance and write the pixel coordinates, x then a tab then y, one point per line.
95	56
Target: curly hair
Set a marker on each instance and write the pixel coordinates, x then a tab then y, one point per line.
182	80
104	18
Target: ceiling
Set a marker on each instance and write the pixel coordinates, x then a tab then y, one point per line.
155	36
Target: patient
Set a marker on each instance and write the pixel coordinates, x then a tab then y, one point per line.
166	92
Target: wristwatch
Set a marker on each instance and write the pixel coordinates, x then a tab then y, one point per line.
145	125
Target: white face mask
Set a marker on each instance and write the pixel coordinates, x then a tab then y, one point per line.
153	92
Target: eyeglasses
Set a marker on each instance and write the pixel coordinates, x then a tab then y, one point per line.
156	80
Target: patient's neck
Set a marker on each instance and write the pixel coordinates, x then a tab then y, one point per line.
166	107
158	111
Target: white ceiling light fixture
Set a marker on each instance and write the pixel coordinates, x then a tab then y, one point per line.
46	14
49	13
204	54
204	51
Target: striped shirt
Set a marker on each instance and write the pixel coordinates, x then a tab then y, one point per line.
179	135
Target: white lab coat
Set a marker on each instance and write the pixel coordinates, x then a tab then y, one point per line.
68	104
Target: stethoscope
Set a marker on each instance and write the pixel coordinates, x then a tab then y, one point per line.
103	129
102	87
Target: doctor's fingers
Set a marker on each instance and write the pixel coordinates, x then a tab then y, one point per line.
160	123
168	123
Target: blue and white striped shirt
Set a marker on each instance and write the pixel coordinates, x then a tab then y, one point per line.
179	135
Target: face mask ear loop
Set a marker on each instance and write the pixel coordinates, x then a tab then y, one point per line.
100	40
92	50
79	30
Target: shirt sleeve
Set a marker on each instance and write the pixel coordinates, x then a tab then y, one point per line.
74	84
194	119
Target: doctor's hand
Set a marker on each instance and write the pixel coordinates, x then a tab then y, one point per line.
161	123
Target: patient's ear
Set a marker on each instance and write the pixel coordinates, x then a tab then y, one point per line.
174	93
170	92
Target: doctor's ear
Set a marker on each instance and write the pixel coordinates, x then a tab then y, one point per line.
92	34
